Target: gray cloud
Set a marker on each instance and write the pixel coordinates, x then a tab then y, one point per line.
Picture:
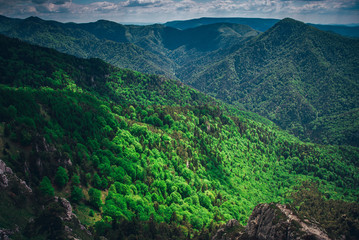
39	1
164	10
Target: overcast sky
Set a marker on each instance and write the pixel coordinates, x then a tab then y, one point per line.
159	11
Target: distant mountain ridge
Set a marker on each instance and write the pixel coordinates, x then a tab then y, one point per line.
148	49
260	24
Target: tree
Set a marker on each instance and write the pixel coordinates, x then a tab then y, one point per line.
76	194
95	198
46	187
75	180
61	177
97	183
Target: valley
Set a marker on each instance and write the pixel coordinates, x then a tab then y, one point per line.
151	132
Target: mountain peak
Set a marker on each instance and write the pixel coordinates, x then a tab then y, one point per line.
34	19
290	23
286	28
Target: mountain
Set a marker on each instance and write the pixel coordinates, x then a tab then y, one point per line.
299	77
260	24
283	74
72	39
150	49
141	156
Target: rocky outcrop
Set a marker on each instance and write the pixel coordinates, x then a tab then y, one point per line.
276	221
272	222
57	221
8	179
54	218
45	159
232	230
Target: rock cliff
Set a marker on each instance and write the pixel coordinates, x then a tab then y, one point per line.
272	222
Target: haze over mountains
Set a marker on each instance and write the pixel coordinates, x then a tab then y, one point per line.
303	79
260	24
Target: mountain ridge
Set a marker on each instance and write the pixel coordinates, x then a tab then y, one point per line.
284	52
261	24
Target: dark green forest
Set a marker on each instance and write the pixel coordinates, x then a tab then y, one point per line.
141	156
303	79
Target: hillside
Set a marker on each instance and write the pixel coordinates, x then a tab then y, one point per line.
140	155
155	49
289	65
299	77
73	39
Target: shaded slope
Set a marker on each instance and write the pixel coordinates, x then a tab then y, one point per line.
293	74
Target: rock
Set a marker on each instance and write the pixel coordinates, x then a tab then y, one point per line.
232	230
68	208
272	222
232	223
7	178
5	233
276	222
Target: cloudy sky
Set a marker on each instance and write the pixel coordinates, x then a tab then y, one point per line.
151	11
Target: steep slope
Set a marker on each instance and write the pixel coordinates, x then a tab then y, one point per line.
141	156
293	74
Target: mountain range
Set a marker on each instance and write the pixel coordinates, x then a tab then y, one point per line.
261	24
303	79
90	150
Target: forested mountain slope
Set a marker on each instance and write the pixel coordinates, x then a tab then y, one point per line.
151	49
72	39
303	79
141	155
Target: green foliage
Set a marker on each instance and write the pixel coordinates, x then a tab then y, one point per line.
311	92
46	187
75	180
76	194
300	92
339	218
205	164
61	177
95	198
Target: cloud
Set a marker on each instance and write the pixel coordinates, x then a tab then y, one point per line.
39	1
164	10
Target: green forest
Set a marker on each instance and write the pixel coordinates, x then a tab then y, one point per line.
142	156
301	78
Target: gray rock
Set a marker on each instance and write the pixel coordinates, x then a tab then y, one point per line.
272	222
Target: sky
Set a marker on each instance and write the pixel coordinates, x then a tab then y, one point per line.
160	11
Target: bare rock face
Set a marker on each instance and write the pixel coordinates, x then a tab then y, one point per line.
8	178
276	221
272	222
